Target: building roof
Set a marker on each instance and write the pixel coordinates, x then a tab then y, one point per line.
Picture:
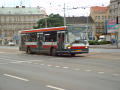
79	20
22	10
99	9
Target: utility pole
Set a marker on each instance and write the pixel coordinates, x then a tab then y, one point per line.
118	24
64	16
118	33
45	22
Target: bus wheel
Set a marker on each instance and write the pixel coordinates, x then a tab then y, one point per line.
28	50
72	54
53	52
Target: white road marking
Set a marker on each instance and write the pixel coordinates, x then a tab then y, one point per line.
8	59
42	64
116	74
35	60
65	67
30	61
49	65
88	70
53	87
3	63
57	66
16	77
101	72
18	62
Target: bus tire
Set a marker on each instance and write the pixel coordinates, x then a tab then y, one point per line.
53	52
28	51
72	54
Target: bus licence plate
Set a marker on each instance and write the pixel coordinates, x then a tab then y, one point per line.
78	50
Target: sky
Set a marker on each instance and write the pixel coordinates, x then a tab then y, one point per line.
57	6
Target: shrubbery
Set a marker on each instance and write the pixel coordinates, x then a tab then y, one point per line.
96	42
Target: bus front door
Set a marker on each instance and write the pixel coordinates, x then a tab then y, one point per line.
61	37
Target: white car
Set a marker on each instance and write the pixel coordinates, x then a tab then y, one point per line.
11	43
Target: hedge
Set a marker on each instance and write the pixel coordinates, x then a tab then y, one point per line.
95	42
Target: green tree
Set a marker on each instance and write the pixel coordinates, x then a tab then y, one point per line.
53	20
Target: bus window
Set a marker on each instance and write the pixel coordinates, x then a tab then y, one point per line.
32	37
50	36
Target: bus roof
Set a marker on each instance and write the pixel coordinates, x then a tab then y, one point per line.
44	29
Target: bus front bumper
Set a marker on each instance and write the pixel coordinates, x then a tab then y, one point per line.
73	51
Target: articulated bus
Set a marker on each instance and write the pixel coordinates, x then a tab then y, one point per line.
55	41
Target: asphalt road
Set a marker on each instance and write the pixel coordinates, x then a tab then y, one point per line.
98	70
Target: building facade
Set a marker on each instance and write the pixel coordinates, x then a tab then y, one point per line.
83	21
14	19
114	9
99	16
115	14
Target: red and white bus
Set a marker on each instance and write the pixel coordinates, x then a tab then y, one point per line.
55	41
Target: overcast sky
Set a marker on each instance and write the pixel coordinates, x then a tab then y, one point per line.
56	6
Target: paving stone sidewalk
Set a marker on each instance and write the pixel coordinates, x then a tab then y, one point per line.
108	46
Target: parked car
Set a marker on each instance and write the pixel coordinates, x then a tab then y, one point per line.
11	43
101	38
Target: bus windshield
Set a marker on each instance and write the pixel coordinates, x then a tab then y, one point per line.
77	35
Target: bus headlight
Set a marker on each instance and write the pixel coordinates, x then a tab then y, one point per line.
86	47
69	47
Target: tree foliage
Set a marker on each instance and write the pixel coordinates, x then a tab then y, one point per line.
53	20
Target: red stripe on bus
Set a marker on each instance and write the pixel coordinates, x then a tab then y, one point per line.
49	46
42	30
32	46
78	47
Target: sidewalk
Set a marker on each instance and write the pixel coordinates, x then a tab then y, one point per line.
108	46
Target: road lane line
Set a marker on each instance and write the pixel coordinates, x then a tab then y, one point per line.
16	77
3	63
8	59
49	65
65	67
88	70
101	72
53	87
116	74
42	64
18	62
36	60
57	66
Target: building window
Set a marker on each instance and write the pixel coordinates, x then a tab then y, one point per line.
102	17
98	17
105	17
